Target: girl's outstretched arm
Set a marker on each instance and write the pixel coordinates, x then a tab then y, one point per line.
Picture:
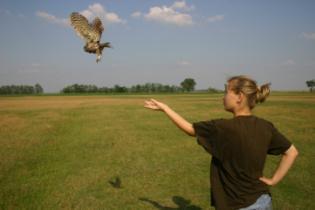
176	118
285	164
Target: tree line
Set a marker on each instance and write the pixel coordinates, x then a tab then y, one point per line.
139	88
21	89
187	85
145	88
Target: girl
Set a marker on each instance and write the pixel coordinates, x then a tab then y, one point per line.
239	147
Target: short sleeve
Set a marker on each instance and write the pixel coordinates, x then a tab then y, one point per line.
279	143
206	133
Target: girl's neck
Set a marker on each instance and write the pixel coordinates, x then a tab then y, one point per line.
242	112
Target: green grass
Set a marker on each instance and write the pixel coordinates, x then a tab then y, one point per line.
60	152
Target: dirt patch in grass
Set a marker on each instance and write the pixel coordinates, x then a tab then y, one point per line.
61	102
11	123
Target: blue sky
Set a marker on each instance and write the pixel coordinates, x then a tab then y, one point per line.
160	41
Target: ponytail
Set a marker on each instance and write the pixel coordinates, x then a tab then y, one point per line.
262	93
249	88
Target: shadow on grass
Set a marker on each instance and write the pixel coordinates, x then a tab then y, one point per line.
182	203
116	182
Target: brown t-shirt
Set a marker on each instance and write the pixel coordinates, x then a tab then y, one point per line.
239	147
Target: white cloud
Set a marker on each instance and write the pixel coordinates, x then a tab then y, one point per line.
170	15
53	19
5	12
288	62
11	14
21	16
136	14
35	64
182	5
215	18
309	35
30	68
113	18
97	10
183	63
87	13
94	10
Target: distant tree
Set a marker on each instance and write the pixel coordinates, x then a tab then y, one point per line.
135	88
92	88
103	90
38	89
188	84
138	88
79	88
120	89
147	88
213	90
310	84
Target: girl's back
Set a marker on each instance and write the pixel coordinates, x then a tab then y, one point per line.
239	147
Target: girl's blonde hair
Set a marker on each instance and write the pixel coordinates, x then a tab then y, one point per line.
249	88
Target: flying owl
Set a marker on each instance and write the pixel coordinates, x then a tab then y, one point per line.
91	33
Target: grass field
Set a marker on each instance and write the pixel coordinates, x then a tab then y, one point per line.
63	152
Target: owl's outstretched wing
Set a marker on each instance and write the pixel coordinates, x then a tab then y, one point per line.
98	26
89	33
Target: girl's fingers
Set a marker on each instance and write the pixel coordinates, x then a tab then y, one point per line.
154	101
150	105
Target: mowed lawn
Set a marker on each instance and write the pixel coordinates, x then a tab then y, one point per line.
71	152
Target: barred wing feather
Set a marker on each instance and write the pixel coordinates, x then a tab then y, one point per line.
86	31
97	26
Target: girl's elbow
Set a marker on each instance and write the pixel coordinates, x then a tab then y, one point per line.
191	134
296	152
190	131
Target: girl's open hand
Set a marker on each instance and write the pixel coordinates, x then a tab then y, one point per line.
155	105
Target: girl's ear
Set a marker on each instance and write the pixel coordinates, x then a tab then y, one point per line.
240	98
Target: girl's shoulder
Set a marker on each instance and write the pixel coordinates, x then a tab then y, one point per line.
250	119
264	120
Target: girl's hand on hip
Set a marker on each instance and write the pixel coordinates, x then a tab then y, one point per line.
267	181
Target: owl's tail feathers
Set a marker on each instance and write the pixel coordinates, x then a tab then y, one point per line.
98	58
100	50
107	44
98	55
